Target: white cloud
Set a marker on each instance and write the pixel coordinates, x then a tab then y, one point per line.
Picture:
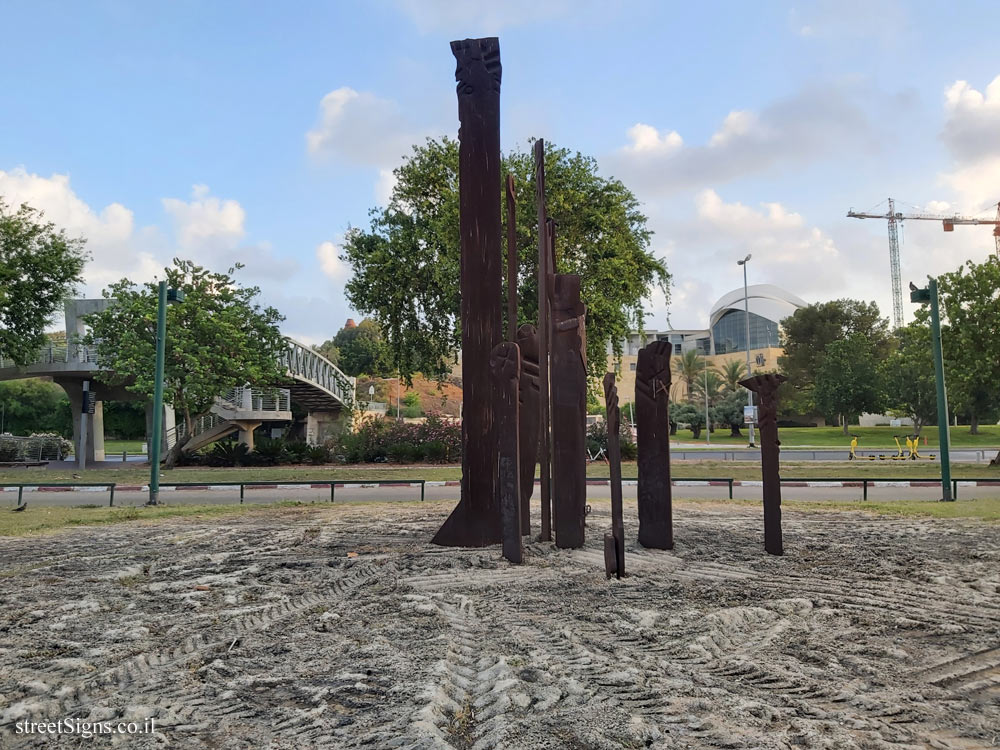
116	250
206	222
971	135
328	257
360	128
802	128
645	139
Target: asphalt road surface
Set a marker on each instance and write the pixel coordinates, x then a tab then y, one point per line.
407	493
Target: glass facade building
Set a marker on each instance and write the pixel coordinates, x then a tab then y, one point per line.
730	332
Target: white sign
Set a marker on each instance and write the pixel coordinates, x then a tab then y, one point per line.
749	414
895	422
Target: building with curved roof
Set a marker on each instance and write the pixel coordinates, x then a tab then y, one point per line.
768	306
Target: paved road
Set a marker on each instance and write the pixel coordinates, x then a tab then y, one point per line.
396	494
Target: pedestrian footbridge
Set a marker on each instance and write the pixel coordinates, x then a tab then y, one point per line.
312	382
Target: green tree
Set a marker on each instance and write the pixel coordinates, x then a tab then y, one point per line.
690	369
362	349
710	382
690	414
908	374
329	350
848	381
218	338
34	405
807	334
406	266
39	268
732	372
729	411
970	310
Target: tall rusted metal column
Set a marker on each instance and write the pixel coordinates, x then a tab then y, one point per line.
569	411
652	402
511	259
614	543
545	434
505	368
475	521
528	422
766	387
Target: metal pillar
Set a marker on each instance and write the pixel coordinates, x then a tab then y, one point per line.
944	437
161	343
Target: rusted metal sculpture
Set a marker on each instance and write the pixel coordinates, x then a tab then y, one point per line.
766	388
475	521
652	392
617	535
569	410
545	440
511	259
528	419
505	368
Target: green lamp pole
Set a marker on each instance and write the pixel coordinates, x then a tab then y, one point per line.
165	296
930	294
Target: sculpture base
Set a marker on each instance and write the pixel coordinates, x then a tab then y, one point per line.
466	528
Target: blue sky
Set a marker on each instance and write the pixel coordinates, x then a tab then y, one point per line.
260	132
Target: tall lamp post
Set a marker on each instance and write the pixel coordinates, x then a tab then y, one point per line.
930	294
746	315
165	296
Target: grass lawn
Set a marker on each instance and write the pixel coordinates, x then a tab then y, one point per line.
115	447
131	474
40	520
870	438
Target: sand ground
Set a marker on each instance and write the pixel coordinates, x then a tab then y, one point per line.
340	627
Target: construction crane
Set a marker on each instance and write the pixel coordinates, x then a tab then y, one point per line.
893	217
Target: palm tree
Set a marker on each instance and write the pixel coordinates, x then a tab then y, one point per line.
732	373
690	367
711	382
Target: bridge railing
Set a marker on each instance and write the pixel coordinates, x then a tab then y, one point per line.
257	399
58	354
306	364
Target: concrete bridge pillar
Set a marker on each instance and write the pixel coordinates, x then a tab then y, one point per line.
246	432
95	421
323	425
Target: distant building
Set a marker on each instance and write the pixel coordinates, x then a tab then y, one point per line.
725	338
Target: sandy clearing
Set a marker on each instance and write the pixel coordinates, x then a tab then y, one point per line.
260	632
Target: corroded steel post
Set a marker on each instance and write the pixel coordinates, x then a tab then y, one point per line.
766	388
505	368
511	259
475	521
527	419
569	410
545	439
613	423
652	397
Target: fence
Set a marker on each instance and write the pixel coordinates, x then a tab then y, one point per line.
16	449
332	484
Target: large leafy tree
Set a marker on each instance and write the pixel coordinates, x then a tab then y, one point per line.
729	411
848	381
406	266
908	374
39	267
34	405
970	306
807	334
360	349
218	338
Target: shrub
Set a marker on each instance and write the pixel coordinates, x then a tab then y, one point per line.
228	453
630	451
298	451
401	452
318	454
378	439
268	452
436	450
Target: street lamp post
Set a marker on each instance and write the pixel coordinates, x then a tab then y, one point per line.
165	296
708	425
746	314
930	294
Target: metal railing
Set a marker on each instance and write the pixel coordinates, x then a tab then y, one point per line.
61	354
304	363
18	449
256	399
